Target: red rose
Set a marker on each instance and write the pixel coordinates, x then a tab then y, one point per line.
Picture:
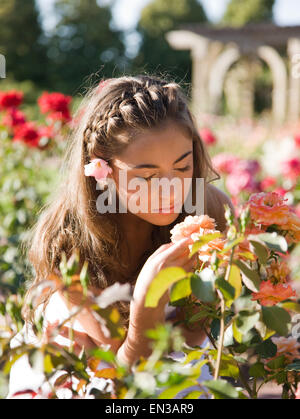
56	105
13	118
28	133
10	99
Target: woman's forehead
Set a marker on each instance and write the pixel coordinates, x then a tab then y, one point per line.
154	147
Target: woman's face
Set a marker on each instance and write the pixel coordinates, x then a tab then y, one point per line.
153	175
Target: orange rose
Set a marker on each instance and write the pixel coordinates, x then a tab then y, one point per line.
278	272
270	295
269	208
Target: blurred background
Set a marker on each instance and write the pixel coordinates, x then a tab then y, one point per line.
237	60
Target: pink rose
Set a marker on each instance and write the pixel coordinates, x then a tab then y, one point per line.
98	168
224	162
291	168
207	136
240	180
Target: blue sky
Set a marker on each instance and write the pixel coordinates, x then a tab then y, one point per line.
126	14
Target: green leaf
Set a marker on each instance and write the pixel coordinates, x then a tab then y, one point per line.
172	391
229	367
274	241
260	249
107	356
221	389
161	283
180	289
202	241
295	366
202	285
112	319
266	349
276	363
84	278
226	289
289	305
250	277
232	244
236	282
257	370
246	321
238	336
191	356
276	318
48	365
193	395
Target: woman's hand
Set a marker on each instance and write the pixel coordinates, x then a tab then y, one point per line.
167	255
143	318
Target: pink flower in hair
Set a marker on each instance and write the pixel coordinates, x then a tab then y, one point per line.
98	168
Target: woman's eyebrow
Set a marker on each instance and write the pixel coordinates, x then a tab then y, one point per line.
153	166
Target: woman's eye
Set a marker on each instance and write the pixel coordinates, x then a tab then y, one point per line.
145	178
184	169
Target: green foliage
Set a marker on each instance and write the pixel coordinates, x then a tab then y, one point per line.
240	12
21	41
83	43
157	18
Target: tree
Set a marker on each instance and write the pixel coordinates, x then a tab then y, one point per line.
83	43
157	18
241	12
20	40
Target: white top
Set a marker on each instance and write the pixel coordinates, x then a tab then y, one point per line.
24	377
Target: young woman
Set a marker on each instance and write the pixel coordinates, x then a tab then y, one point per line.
141	127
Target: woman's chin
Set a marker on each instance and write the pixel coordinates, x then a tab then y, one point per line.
159	219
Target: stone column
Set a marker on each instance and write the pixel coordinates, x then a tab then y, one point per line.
198	45
279	73
294	79
2	67
217	76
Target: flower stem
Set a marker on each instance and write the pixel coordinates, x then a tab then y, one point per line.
221	337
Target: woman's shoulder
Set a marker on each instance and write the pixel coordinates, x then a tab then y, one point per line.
215	199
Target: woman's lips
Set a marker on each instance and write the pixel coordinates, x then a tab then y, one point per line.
167	209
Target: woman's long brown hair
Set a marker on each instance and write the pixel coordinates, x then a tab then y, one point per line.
106	121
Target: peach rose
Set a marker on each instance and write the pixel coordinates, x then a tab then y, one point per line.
192	224
289	347
195	227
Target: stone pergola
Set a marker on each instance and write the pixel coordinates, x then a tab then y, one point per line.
214	50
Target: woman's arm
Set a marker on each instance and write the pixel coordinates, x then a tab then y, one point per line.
136	344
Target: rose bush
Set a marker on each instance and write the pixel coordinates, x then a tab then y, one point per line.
242	289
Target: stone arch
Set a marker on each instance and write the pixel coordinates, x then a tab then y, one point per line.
279	73
2	67
217	76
